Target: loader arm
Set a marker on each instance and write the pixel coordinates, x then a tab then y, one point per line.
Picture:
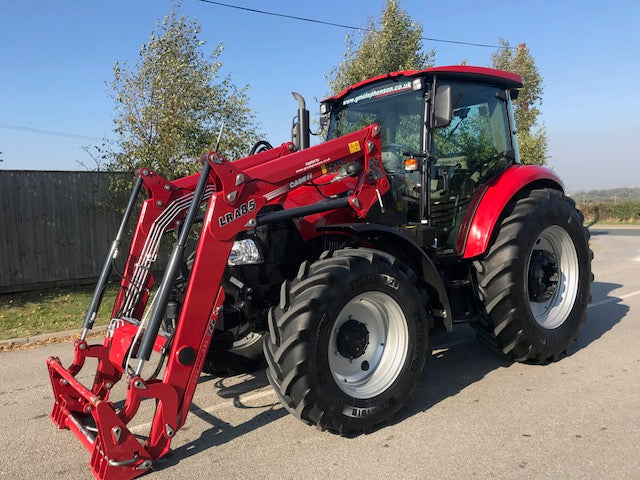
234	193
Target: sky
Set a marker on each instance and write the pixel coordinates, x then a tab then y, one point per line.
56	59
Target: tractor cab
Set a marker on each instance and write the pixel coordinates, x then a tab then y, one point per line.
448	128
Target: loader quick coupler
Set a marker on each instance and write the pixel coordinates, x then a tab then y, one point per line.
116	453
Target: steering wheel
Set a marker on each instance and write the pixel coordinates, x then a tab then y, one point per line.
260	146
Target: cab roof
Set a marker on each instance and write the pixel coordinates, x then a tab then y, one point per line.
458	72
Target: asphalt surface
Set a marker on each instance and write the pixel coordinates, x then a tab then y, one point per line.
473	415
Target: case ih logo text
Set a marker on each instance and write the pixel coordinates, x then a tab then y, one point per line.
237	213
300	181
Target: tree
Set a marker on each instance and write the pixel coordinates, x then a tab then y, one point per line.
396	45
532	137
170	107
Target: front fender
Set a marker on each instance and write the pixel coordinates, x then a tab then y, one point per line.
479	222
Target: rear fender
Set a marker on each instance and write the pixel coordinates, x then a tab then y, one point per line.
486	209
387	239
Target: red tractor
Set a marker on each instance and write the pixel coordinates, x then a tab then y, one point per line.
339	260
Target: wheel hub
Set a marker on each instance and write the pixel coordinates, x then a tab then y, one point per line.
552	277
543	276
365	360
353	339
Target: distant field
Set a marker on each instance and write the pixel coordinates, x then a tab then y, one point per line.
614	205
611	195
609	212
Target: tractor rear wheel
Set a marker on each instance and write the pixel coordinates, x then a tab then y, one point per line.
347	343
534	280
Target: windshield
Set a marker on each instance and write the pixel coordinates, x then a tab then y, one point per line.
393	104
399	110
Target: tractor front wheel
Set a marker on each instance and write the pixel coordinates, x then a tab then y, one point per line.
348	342
534	280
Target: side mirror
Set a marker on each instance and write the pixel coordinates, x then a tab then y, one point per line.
442	107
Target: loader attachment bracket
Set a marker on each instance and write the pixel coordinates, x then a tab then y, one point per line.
116	453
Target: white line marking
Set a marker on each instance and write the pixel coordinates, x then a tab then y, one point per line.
613	299
220	406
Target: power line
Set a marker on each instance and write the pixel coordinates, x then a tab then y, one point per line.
341	25
41	131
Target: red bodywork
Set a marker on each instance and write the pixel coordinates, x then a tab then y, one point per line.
485	210
498	77
265	178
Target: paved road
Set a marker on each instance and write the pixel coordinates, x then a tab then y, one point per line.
473	415
621	230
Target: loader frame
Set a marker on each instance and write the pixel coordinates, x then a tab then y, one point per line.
234	194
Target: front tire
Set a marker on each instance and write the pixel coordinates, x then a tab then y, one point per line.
348	342
244	356
534	280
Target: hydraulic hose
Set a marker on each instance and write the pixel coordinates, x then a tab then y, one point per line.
164	291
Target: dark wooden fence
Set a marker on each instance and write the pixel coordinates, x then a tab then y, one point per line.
55	227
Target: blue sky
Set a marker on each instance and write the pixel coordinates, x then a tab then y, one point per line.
55	58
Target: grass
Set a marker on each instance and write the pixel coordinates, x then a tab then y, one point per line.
53	310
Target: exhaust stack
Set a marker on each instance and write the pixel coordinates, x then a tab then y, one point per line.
300	130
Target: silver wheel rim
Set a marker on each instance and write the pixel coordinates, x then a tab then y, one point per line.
553	312
246	342
386	350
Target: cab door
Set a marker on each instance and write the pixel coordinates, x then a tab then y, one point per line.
474	147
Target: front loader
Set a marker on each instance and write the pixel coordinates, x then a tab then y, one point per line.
338	259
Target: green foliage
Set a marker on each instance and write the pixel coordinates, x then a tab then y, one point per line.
170	107
472	139
532	138
395	45
621	212
53	310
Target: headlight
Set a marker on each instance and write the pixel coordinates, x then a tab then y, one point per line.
244	252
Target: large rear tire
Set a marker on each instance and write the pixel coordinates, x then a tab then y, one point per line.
348	341
534	280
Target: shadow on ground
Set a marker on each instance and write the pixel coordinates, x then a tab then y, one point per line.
459	360
603	314
221	432
451	369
